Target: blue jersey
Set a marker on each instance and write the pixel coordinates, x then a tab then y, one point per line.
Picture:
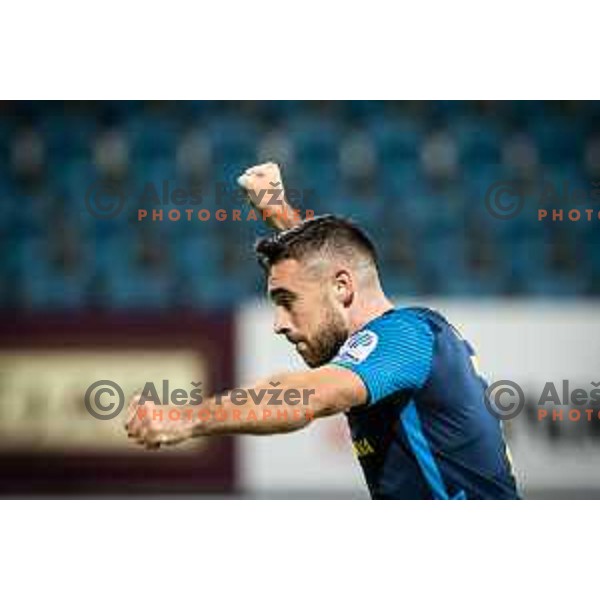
425	431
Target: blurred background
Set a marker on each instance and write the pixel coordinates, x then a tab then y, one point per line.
84	298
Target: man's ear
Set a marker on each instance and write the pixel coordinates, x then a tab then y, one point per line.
344	287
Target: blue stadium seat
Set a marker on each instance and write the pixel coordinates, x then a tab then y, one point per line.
138	289
367	210
50	290
398	141
559	140
68	136
44	284
152	137
447	110
197	257
402	179
477	140
29	215
280	110
76	177
315	141
233	140
396	283
363	109
446	252
525	258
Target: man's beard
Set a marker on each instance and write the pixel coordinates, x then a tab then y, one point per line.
326	345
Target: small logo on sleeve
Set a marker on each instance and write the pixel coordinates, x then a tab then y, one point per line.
358	347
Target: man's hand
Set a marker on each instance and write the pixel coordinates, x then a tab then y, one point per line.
263	185
265	191
153	426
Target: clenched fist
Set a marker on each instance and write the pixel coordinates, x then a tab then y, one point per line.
265	191
154	426
263	185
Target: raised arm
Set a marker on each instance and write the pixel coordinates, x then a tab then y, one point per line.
279	404
265	191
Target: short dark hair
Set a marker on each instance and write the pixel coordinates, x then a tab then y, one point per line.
324	233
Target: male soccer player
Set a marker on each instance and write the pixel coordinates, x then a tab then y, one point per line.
404	377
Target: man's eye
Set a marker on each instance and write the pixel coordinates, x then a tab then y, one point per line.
284	300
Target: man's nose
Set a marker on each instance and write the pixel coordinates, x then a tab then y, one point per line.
280	325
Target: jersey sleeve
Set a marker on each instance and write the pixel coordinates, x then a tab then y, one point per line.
392	354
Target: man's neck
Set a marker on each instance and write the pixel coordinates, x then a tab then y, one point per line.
369	309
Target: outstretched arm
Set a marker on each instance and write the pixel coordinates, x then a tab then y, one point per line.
265	191
280	404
